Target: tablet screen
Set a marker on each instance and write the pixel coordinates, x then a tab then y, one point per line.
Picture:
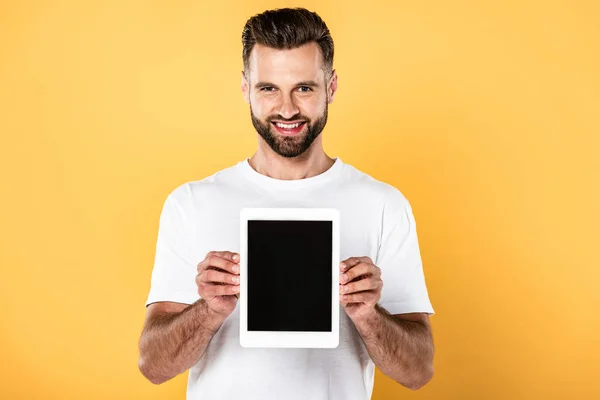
289	275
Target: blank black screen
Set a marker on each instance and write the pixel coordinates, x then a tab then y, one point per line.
289	275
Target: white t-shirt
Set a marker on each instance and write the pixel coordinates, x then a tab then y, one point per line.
376	220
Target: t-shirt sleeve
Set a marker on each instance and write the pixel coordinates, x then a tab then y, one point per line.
175	269
399	258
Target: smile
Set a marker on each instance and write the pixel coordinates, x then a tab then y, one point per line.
289	129
288	126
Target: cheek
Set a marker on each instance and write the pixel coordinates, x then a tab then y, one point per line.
262	105
313	107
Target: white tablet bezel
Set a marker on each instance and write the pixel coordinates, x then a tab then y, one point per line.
290	339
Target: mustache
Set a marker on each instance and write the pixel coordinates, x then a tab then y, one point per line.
296	117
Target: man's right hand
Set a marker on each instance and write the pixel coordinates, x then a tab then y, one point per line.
218	281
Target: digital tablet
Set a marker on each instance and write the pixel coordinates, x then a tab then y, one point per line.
289	277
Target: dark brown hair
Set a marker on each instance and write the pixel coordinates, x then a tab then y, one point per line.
287	28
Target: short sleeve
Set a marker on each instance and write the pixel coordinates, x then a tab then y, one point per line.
174	273
399	258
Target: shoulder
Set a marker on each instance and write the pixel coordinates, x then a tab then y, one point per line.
378	190
218	181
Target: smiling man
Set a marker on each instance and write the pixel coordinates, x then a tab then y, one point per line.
192	318
295	112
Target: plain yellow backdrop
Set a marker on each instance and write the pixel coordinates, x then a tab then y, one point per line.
484	114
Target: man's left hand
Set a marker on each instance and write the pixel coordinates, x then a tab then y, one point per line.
360	287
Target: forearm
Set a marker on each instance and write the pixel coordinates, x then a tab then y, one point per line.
173	343
401	349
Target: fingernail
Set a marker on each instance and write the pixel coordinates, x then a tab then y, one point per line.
235	256
236	268
343	265
344	278
235	279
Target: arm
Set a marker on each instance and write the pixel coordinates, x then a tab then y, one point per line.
174	338
400	345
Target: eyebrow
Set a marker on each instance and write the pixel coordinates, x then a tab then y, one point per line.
269	84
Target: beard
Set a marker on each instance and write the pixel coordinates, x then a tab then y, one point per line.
290	146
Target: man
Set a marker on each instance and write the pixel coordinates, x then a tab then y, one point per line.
192	315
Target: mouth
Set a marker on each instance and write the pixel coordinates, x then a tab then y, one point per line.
289	129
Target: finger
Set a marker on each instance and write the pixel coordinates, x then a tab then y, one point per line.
359	286
230	265
212	276
225	290
366	259
361	297
228	255
359	270
209	291
215	260
349	263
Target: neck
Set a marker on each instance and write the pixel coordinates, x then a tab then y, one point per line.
311	163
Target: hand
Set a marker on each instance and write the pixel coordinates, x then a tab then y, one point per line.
360	286
218	281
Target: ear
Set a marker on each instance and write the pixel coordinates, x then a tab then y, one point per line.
332	86
245	86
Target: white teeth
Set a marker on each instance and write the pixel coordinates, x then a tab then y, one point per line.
288	126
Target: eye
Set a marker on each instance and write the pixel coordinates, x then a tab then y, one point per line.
267	89
308	89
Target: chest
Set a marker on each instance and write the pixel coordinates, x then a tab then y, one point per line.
218	228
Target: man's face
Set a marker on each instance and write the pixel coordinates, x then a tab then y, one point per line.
288	96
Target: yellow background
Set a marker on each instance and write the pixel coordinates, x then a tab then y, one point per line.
484	114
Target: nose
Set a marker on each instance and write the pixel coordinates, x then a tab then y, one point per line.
287	107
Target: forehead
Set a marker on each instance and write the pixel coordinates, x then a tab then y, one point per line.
286	65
